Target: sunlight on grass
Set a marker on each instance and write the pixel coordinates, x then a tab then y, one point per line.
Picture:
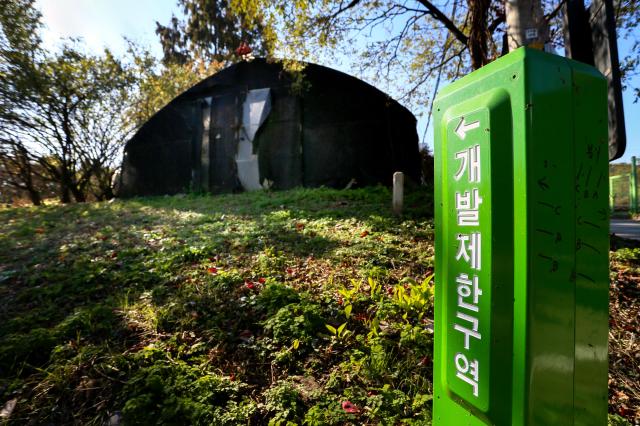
247	308
205	308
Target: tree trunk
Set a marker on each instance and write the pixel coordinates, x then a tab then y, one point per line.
65	194
78	194
104	184
479	33
35	197
34	194
69	186
526	25
66	186
105	192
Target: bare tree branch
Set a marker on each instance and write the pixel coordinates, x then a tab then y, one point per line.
448	23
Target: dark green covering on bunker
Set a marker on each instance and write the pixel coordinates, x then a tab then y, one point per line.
244	128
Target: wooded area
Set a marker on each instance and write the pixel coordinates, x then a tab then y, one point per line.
65	114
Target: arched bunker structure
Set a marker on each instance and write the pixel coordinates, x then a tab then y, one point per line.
245	128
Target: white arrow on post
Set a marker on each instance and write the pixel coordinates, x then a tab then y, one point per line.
462	128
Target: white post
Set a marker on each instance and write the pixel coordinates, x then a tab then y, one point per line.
398	192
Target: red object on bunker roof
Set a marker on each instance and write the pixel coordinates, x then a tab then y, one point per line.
243	49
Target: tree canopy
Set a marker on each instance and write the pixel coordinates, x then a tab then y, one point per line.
628	20
409	46
66	114
209	32
158	83
63	114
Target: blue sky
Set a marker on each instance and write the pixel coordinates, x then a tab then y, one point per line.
104	23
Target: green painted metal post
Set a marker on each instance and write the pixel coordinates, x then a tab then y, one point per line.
521	312
612	195
633	186
612	192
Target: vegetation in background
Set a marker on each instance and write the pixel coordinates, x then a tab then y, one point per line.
62	114
406	47
157	84
65	114
621	187
210	32
627	21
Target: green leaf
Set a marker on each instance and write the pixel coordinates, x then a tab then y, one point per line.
408	280
332	329
340	328
347	310
428	279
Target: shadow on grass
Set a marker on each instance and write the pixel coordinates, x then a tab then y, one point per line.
83	288
252	222
64	287
361	204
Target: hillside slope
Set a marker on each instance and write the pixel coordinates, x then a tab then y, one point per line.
307	306
218	310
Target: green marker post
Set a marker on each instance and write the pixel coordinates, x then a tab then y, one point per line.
521	313
633	186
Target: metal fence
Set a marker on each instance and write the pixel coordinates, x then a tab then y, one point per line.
623	187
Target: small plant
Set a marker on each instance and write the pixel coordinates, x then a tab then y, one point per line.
283	403
340	333
173	392
295	322
416	298
375	289
271	261
630	255
347	310
349	294
616	420
275	296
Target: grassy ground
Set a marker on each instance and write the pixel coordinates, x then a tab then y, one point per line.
307	306
624	330
225	310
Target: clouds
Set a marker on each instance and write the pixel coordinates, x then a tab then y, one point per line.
103	23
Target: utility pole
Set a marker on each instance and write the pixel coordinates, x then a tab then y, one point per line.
590	37
526	24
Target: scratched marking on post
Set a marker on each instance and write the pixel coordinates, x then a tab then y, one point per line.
468	198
